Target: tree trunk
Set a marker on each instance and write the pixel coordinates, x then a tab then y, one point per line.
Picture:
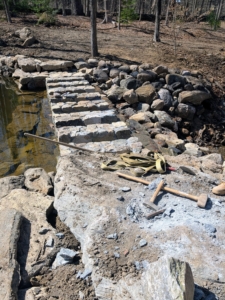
94	44
7	12
106	14
141	8
167	13
218	12
63	7
202	5
87	10
119	12
157	20
76	7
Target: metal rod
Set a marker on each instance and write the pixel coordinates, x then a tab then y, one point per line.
55	142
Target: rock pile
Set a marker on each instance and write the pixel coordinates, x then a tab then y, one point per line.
182	101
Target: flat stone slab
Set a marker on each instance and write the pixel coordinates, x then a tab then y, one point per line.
56	79
117	146
65	84
74	97
87	105
71	89
94	133
10	221
84	118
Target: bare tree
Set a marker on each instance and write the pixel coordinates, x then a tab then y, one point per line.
63	7
119	13
94	44
167	13
7	12
76	7
106	13
157	20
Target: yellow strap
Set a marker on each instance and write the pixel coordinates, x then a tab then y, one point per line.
154	163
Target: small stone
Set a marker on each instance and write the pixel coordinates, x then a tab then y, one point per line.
143	243
137	265
125	189
44	230
141	194
106	252
85	225
60	235
168	212
120	198
210	228
117	248
112	236
117	255
126	252
85	274
49	242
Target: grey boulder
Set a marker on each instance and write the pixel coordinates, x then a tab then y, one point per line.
37	180
194	97
164	119
185	111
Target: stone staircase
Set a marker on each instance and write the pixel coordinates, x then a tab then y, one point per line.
83	117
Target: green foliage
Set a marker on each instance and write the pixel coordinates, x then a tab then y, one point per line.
128	13
213	21
40	6
47	18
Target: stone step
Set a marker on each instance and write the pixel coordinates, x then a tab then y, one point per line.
65	84
69	107
64	79
84	118
74	97
118	146
73	89
94	133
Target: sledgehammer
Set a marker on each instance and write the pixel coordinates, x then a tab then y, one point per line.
201	200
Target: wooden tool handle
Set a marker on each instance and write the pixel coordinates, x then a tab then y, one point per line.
179	193
159	188
156	213
133	178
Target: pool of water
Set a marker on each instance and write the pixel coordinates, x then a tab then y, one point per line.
24	112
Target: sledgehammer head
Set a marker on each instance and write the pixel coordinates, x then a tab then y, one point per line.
202	200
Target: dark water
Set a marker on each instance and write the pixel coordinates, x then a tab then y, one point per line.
19	113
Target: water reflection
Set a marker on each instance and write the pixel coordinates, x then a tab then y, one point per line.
19	113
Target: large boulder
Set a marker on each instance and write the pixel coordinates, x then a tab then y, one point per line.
165	95
171	78
171	140
169	278
10	183
146	93
147	76
130	96
35	209
143	117
185	111
23	33
114	73
100	76
29	41
160	70
28	64
10	221
193	97
128	83
164	119
54	65
37	180
157	104
115	93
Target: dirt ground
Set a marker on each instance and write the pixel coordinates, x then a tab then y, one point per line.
197	45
